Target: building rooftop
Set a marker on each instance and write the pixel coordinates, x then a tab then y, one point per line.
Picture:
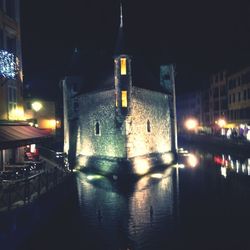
97	72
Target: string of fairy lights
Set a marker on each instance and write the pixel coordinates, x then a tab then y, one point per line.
8	64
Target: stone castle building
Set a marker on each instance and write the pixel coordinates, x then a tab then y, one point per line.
114	123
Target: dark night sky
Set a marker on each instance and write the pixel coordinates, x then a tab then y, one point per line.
198	36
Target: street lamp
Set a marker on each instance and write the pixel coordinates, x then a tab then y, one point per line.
221	122
36	106
191	124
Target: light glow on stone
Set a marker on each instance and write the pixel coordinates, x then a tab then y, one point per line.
141	166
87	148
157	175
167	158
162	146
138	148
94	177
82	160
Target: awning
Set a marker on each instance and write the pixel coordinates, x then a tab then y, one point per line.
12	136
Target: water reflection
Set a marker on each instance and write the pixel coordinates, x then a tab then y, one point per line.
230	164
179	207
125	219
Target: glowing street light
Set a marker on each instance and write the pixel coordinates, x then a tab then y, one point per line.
191	124
36	106
221	122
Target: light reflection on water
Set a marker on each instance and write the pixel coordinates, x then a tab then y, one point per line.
230	164
127	214
180	207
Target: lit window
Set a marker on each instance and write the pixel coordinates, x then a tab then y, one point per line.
148	126
97	128
124	99
116	101
123	66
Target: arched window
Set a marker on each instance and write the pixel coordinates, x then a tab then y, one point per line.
97	128
148	126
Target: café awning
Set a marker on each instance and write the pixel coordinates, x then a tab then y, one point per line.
12	136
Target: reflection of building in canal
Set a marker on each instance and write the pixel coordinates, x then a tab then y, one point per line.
125	217
229	164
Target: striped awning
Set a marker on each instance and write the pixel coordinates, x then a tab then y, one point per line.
20	135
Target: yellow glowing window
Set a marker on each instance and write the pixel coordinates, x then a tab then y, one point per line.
123	66
124	99
116	101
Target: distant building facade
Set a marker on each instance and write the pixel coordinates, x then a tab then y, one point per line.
218	97
226	97
239	96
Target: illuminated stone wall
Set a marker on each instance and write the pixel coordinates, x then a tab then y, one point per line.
132	138
153	106
70	114
99	107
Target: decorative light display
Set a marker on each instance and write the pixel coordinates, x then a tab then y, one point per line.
8	64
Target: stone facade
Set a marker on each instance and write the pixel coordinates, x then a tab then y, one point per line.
99	107
144	131
149	129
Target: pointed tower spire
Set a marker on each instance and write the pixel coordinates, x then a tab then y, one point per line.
121	16
120	43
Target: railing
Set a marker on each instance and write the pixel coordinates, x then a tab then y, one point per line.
57	157
16	193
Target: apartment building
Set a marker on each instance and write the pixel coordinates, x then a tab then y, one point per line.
239	96
11	81
218	97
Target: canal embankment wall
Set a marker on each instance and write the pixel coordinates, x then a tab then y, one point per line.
220	143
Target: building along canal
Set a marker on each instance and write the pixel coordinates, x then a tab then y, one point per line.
200	204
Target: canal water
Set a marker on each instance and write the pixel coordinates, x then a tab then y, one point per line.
201	203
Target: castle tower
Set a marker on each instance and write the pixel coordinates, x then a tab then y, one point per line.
123	76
